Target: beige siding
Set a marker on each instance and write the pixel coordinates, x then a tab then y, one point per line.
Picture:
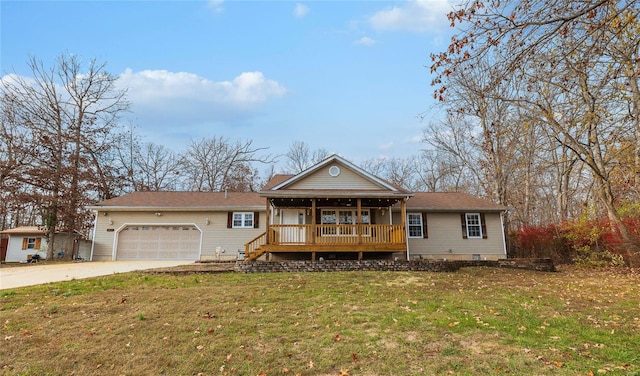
215	235
445	239
346	180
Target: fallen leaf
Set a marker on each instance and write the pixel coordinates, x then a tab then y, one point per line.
354	356
344	372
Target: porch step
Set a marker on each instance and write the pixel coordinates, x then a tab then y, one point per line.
251	256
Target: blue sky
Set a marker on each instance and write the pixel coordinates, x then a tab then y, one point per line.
348	76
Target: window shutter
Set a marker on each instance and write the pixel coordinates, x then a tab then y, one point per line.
24	243
372	216
256	219
229	219
318	215
425	234
483	223
463	223
38	242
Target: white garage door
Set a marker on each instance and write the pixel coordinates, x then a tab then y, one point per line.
159	243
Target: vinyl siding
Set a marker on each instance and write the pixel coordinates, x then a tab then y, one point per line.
346	180
214	235
445	238
15	253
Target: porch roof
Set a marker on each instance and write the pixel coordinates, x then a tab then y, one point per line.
335	193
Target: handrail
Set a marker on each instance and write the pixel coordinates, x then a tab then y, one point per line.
337	234
254	244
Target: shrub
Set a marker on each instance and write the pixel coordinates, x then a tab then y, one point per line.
583	241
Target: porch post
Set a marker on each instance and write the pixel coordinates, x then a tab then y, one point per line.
403	211
313	222
269	219
359	221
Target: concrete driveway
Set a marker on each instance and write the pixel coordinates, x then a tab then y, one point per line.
36	274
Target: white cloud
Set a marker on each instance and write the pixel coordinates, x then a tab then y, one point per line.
171	107
150	86
216	5
414	15
365	41
301	10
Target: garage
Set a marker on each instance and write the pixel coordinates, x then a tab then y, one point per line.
165	242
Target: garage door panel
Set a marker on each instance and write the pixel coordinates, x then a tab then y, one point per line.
158	243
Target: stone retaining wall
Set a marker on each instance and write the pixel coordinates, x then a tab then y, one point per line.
388	265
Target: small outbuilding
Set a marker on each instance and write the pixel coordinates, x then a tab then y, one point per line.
24	242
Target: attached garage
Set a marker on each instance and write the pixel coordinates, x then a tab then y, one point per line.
162	242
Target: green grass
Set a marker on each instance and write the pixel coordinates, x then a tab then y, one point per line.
475	321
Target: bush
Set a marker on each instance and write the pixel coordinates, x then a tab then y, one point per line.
583	242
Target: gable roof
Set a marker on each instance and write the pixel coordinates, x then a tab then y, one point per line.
450	201
25	230
189	201
286	185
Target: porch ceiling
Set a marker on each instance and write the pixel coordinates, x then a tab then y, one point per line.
334	202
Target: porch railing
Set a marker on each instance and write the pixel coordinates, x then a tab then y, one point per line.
336	234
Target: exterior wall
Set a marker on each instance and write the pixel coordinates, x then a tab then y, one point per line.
15	253
322	180
445	239
218	241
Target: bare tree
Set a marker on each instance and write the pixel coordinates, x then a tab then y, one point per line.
556	57
398	171
216	164
299	157
155	168
68	112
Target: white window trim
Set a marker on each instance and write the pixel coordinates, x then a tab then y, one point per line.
31	244
244	216
419	215
479	225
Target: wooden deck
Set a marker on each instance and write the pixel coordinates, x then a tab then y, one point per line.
333	238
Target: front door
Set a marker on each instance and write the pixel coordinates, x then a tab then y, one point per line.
293	234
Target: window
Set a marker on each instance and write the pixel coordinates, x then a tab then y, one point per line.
242	220
474	225
328	218
343	217
414	221
31	243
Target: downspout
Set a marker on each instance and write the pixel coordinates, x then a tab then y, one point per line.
504	240
93	236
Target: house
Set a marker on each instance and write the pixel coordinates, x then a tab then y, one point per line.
333	210
25	241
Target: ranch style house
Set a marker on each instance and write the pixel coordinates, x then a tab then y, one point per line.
333	210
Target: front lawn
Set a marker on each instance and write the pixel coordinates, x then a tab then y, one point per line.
475	321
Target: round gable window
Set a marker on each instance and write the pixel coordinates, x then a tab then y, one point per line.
334	171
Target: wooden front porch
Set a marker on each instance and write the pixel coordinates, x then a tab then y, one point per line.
312	238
